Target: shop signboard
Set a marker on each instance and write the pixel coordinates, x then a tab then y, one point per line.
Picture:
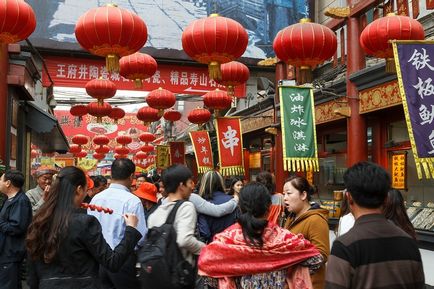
399	170
202	150
415	76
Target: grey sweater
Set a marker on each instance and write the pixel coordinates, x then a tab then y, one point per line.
185	226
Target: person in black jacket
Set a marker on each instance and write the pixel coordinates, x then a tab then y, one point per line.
65	247
15	217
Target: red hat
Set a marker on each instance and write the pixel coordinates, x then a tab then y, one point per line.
147	191
90	183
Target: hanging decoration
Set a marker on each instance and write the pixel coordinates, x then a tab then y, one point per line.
122	150
202	150
233	73
124	140
375	38
118	156
146	148
102	149
116	114
140	155
414	72
101	89
214	40
147	137
305	45
101	140
177	152
217	100
111	32
137	67
415	8
80	154
147	115
78	111
161	99
199	116
388	7
163	157
230	145
98	156
18	21
35	153
300	151
74	148
172	115
99	111
79	139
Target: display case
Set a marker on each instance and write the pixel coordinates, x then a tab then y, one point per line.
421	215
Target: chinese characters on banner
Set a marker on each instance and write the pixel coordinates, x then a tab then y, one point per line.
202	150
399	171
163	157
230	144
177	152
298	129
76	72
415	76
144	165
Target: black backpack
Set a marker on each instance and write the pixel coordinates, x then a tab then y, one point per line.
161	261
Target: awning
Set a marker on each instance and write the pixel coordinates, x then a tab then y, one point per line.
46	131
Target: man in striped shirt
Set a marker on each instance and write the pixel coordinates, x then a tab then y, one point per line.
375	253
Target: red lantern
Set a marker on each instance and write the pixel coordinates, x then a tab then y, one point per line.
99	111
18	21
101	89
98	156
117	113
161	99
141	155
102	149
79	139
305	45
199	116
137	66
122	150
147	137
233	73
74	148
101	140
78	110
172	115
118	156
374	39
217	100
124	139
214	40
147	148
81	154
111	32
148	114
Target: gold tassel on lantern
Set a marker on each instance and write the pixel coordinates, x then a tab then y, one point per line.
214	70
138	83
112	63
390	65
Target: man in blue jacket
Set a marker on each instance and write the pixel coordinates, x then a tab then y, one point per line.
15	217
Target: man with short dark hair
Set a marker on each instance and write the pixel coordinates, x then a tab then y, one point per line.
375	253
99	185
15	217
119	198
179	185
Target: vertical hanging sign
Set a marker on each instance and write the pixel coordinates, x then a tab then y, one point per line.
415	76
163	156
415	8
230	144
177	152
202	150
298	129
402	7
399	170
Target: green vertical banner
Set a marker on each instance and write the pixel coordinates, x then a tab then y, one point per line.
297	112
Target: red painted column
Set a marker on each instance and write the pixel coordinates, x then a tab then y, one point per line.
4	67
357	145
280	174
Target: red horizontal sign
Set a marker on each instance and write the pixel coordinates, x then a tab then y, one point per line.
76	72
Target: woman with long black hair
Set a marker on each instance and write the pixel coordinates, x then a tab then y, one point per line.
394	210
256	253
65	247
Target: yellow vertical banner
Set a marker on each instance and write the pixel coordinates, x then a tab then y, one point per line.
399	171
163	156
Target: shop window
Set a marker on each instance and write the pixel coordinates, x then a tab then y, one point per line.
397	132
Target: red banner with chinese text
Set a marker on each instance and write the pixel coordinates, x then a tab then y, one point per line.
230	144
403	7
202	150
76	72
429	4
177	152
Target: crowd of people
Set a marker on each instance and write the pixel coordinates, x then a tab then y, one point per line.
76	231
